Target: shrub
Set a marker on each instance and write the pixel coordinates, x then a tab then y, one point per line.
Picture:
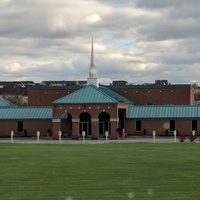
182	138
192	138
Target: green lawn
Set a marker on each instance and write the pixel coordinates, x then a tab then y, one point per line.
100	171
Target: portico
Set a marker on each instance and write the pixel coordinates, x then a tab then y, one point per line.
92	110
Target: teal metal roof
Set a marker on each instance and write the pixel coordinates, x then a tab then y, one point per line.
149	86
26	113
64	115
115	95
5	103
164	112
92	95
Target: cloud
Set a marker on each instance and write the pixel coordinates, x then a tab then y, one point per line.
138	41
13	67
93	18
157	4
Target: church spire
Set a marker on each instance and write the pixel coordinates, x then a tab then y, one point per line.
92	54
92	70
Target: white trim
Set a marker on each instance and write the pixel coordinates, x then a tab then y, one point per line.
56	120
114	119
94	119
76	120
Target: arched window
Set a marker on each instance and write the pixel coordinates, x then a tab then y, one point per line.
66	124
104	123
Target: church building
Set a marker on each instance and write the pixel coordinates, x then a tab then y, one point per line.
95	110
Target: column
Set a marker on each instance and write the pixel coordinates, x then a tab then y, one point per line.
56	128
114	125
75	128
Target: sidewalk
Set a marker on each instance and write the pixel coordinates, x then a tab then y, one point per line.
133	139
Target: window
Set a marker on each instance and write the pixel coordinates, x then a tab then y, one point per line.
138	126
194	125
20	127
172	125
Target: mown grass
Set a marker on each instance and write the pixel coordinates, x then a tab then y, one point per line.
99	171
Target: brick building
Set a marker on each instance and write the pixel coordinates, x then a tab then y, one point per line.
24	121
118	109
143	120
151	94
91	109
141	96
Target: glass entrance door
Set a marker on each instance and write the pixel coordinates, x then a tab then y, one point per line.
103	127
104	123
85	126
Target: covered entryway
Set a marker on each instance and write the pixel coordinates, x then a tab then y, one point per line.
66	124
104	123
85	124
122	115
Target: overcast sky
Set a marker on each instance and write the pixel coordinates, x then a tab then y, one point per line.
139	41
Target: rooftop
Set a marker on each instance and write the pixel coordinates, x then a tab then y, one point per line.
26	113
5	103
93	95
164	112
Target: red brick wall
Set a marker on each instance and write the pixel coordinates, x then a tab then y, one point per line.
46	97
158	96
143	96
7	127
182	126
93	110
31	126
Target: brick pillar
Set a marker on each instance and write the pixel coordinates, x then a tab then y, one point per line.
56	128
75	128
95	128
114	125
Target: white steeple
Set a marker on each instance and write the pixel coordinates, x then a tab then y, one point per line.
92	70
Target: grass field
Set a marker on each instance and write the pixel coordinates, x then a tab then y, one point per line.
100	171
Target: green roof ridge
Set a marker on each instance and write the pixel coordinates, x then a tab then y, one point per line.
119	97
63	100
105	93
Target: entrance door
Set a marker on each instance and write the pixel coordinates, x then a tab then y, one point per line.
104	123
122	114
85	124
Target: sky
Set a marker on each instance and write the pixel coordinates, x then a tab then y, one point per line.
138	41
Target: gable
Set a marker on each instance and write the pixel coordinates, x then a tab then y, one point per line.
87	95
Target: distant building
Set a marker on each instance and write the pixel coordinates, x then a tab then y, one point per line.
64	83
122	82
15	91
161	82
